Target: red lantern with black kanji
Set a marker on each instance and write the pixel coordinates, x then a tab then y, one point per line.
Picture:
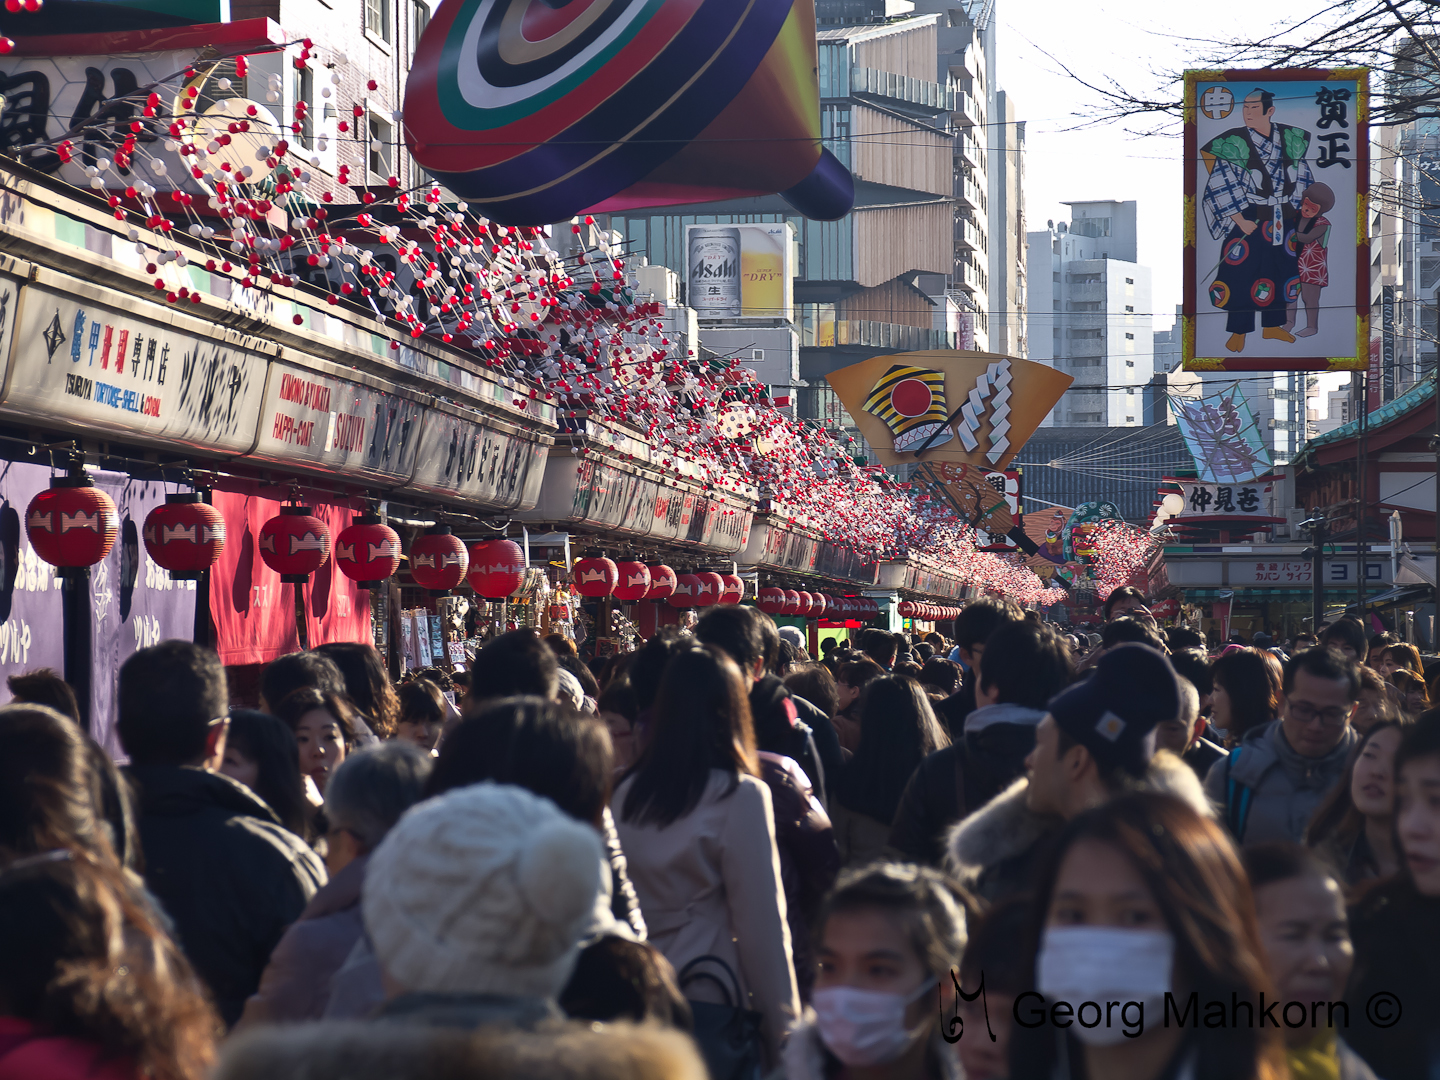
497	569
184	535
594	575
732	588
367	551
686	586
707	593
72	524
438	560
771	600
792	603
905	609
294	544
633	581
662	582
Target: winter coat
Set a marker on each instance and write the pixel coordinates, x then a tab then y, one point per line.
959	779
1284	788
805	1056
809	856
624	904
26	1054
861	838
790	725
368	1051
993	851
296	982
710	884
1396	932
225	870
1203	755
953	710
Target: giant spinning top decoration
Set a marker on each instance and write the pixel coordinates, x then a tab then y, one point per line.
535	110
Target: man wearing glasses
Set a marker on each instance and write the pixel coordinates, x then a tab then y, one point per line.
1269	786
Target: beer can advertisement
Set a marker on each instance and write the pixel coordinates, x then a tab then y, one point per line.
1277	256
741	271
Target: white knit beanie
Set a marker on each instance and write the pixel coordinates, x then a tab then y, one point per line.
485	889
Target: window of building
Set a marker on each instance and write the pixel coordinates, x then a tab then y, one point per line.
1129	419
419	20
1130	309
1055	276
382	159
1129	363
1129	337
1129	281
377	19
304	89
1091	226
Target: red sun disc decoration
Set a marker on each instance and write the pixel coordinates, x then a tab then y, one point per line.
497	568
72	524
733	588
633	582
662	582
686	588
771	600
184	535
595	576
367	551
294	544
438	560
708	593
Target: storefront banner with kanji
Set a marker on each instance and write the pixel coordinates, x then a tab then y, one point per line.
1222	436
1202	500
1276	257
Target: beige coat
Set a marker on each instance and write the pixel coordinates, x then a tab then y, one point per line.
709	883
862	839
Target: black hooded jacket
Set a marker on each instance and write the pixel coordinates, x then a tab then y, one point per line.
790	725
227	873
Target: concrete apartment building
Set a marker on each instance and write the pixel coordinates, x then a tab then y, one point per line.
1090	314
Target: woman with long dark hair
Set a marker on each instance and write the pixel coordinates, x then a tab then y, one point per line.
1246	692
324	728
367	683
261	753
1354	828
91	986
696	825
897	730
1139	898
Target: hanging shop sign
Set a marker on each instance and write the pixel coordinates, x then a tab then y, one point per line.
340	425
1277	260
1219	501
740	272
88	358
490	465
1223	437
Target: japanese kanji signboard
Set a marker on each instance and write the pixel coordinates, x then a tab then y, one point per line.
1277	253
1204	500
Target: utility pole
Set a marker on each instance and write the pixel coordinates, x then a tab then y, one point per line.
1360	477
1316	525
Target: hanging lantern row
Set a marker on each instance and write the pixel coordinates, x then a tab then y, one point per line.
808	605
912	609
631	580
184	535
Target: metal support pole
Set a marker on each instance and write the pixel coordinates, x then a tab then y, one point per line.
1360	478
1317	574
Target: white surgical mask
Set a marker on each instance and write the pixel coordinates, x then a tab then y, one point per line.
865	1027
1103	964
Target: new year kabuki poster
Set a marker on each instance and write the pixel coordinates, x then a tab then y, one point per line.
1277	253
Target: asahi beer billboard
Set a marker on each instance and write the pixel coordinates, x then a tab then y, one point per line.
1276	256
736	272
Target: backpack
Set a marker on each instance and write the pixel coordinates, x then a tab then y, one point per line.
1236	812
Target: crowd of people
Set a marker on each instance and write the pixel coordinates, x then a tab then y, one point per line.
1018	852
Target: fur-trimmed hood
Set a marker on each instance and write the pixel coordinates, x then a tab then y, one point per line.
350	1050
1005	828
803	1057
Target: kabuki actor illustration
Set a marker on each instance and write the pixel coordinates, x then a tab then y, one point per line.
1276	253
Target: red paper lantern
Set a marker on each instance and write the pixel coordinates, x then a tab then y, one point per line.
662	582
497	567
294	544
686	588
733	589
438	560
707	593
634	580
771	600
367	551
594	576
905	609
807	604
72	524
185	535
822	604
792	602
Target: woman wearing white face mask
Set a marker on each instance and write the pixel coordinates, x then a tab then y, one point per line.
1142	897
886	940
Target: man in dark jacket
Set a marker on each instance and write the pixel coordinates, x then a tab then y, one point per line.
784	724
1024	665
973	628
216	857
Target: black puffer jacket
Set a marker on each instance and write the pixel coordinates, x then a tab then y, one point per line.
226	872
794	728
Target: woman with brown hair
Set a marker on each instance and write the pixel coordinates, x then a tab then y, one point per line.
696	825
91	987
1139	899
1401	655
1354	828
324	728
367	683
1412	690
1246	692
